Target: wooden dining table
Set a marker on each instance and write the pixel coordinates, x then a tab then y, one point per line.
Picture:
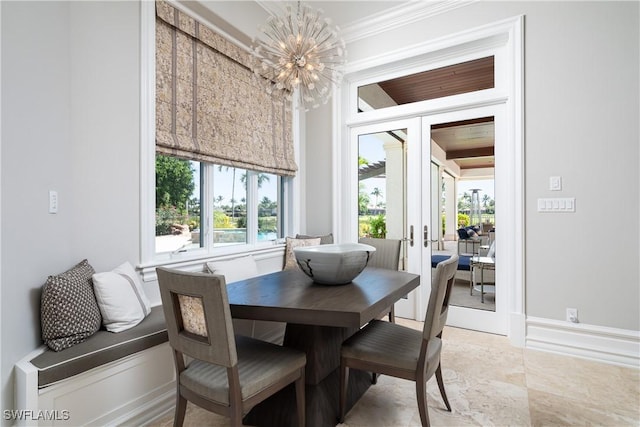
319	318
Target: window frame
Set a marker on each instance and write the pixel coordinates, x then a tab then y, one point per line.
193	260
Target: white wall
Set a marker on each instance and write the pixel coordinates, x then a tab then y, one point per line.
317	167
70	122
581	122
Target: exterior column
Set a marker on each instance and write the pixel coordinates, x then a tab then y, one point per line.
395	189
450	208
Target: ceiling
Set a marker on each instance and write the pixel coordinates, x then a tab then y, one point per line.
469	143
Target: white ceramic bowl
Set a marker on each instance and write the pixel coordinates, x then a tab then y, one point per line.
335	264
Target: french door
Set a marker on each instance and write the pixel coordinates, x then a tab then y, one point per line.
382	196
473	316
392	195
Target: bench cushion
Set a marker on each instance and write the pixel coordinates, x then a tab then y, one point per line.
463	261
101	348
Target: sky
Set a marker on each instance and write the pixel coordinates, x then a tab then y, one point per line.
486	186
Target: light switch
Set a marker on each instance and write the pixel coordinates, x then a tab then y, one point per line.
564	204
555	183
53	202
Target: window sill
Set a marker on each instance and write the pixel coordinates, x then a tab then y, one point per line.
195	261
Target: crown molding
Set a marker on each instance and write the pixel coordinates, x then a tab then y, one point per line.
386	20
398	16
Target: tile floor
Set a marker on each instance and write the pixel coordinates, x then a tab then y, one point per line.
491	383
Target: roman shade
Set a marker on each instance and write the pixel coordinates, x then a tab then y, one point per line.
210	106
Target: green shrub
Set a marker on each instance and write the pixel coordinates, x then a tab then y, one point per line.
221	220
378	227
463	220
166	217
267	224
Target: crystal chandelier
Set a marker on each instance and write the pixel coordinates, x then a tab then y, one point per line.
300	50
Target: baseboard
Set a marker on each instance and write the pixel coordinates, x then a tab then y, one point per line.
603	344
151	411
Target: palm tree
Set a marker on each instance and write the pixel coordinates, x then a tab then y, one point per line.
262	177
485	200
233	187
377	193
233	207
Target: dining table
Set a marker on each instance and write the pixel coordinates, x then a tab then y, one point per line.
318	319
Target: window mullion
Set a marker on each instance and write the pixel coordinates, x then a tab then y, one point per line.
206	206
252	207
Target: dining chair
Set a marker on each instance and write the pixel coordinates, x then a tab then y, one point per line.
387	255
401	352
227	374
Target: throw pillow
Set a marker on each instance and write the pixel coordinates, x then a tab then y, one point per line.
235	269
289	257
69	313
325	239
121	298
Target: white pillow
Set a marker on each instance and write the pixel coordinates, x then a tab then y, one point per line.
122	301
235	269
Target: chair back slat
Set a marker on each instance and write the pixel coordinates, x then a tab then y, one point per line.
438	307
387	254
196	308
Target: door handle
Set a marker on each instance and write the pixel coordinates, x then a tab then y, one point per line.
411	236
426	236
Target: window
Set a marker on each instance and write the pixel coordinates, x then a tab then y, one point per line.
203	207
193	218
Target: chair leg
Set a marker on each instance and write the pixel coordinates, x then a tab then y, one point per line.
421	394
344	384
181	409
300	399
392	314
441	387
374	378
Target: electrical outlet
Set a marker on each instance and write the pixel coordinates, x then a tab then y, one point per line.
572	315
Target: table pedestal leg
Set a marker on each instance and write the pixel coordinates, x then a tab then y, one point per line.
322	347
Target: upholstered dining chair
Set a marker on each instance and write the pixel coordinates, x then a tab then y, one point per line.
392	349
228	374
387	256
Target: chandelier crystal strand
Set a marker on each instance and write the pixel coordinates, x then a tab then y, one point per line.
300	51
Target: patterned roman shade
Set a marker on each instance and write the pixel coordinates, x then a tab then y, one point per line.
210	106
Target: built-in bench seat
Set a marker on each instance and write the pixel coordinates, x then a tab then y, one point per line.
133	369
125	378
99	349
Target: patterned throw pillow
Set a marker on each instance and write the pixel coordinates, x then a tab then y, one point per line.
69	313
289	257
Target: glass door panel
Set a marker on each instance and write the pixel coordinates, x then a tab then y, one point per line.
463	143
382	185
380	153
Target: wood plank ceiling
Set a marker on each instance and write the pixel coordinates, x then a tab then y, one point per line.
469	143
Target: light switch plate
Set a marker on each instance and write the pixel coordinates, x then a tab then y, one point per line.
557	204
555	183
53	201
